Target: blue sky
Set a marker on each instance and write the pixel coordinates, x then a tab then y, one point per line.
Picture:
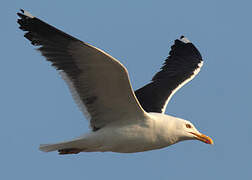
36	106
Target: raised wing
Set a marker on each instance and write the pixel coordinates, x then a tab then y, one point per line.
181	66
98	82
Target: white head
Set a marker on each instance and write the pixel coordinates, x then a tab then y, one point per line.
186	131
172	129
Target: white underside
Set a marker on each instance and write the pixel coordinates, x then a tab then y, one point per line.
143	135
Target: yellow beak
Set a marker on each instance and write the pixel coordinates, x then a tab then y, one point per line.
203	138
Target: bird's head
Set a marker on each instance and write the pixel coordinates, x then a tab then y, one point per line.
187	131
190	132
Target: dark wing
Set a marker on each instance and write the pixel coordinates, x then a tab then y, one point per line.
98	82
181	66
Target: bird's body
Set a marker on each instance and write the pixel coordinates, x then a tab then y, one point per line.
155	131
121	120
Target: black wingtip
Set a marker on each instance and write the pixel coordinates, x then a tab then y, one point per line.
181	37
21	13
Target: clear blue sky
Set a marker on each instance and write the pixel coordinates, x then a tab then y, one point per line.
36	106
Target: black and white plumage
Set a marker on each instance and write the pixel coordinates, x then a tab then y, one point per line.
122	120
181	66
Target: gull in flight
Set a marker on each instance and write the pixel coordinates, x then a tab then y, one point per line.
121	120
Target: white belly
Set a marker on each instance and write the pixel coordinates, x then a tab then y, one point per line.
127	138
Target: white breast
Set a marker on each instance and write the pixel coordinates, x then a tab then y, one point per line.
132	137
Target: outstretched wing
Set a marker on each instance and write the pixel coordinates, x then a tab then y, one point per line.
98	82
181	66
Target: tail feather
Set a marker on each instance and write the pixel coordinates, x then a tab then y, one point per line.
62	145
50	147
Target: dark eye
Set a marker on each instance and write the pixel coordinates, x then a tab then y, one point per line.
188	126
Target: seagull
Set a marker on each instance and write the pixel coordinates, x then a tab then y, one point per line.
121	120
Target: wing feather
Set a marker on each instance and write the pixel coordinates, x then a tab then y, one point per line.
181	66
98	82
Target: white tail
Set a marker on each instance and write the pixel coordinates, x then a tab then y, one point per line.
76	143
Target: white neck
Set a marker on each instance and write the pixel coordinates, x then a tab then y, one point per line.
165	128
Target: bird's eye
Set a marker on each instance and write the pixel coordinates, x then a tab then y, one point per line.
188	126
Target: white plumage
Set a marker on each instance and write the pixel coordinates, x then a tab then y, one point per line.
122	120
